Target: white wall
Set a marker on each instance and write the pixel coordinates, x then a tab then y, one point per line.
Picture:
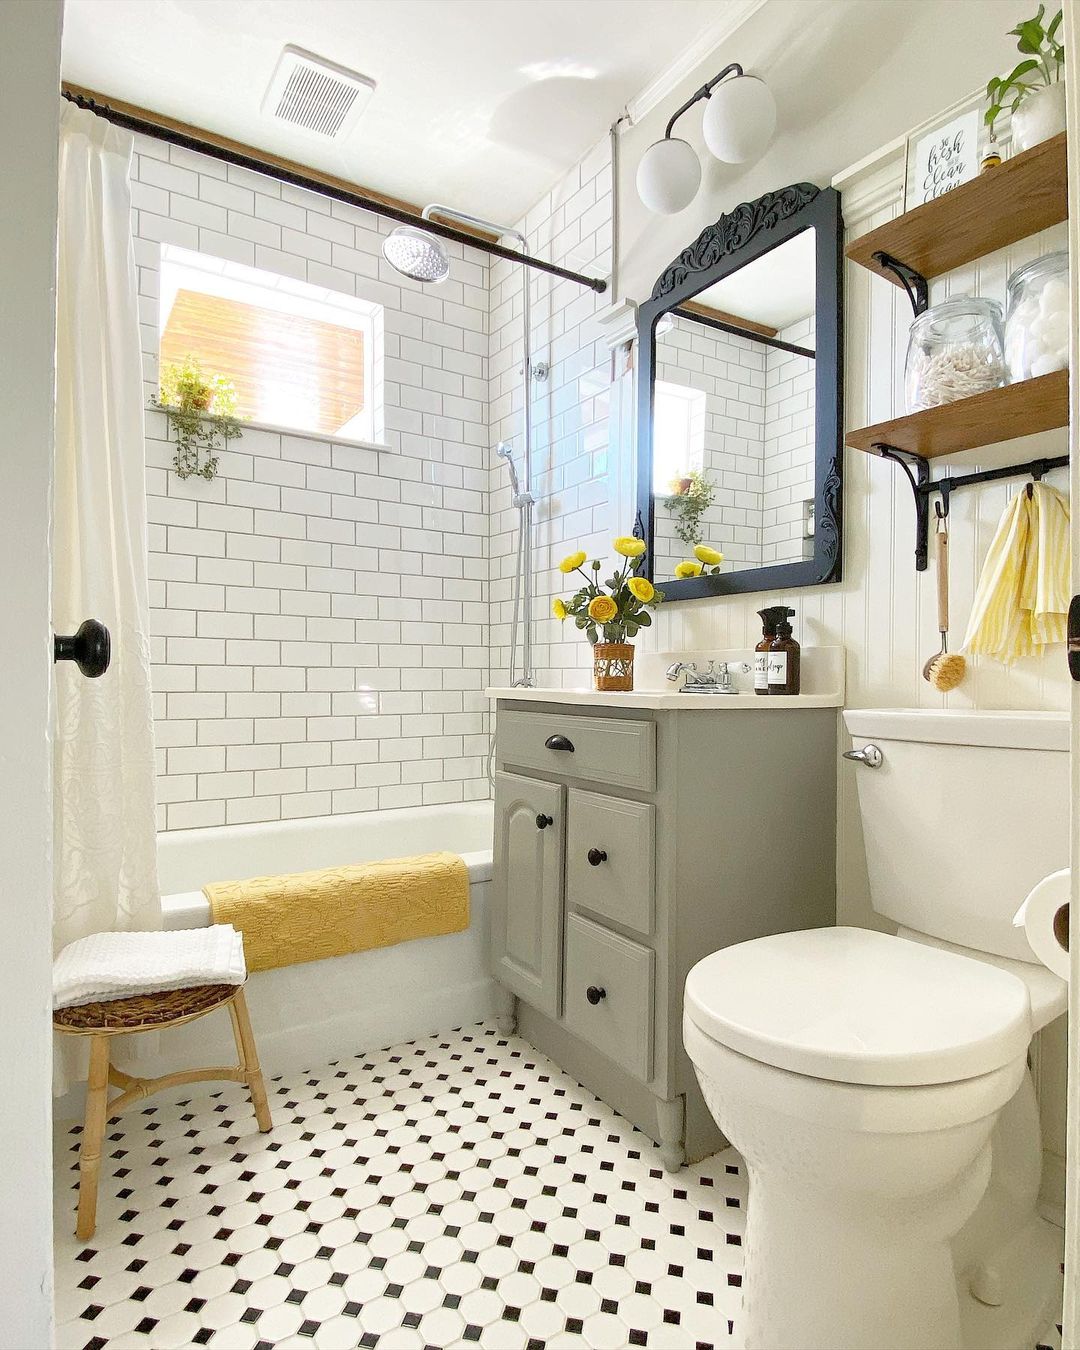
319	609
29	113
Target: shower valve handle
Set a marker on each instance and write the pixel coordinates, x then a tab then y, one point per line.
90	648
559	743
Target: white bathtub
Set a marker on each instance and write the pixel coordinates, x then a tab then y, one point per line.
309	1014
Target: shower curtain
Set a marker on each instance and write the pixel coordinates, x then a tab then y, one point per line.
103	758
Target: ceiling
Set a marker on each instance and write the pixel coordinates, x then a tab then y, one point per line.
775	289
480	104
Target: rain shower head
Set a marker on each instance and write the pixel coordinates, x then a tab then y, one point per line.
416	254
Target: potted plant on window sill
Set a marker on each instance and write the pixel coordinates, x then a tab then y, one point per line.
201	411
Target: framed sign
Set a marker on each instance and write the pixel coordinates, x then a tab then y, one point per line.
943	158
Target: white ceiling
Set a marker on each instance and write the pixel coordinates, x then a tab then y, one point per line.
775	289
481	104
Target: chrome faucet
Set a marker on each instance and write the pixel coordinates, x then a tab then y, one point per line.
715	679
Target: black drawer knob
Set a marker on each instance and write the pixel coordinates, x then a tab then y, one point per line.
559	743
542	822
597	856
594	994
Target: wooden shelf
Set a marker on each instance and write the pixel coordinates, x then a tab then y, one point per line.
998	415
1025	194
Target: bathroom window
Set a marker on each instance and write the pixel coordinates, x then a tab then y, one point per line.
678	433
301	357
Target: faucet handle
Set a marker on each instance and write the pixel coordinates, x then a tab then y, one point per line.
677	667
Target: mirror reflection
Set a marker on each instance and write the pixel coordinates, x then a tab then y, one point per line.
733	448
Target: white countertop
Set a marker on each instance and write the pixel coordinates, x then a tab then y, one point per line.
660	700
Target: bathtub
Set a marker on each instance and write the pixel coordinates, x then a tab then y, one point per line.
310	1014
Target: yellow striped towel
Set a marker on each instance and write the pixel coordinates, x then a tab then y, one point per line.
1022	598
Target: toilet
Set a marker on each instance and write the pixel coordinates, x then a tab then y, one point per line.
877	1087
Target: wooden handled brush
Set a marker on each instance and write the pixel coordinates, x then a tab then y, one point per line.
947	669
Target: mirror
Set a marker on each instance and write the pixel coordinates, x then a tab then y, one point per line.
739	432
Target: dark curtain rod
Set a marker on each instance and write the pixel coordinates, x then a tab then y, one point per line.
749	333
299	180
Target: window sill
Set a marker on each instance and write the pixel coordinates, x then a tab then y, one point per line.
304	435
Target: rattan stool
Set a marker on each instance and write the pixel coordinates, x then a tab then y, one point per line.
149	1012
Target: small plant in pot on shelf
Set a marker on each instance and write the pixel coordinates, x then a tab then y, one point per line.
690	498
201	410
610	613
1033	92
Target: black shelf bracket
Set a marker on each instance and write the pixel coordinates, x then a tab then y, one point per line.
917	471
914	283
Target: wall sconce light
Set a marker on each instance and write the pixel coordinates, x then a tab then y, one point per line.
740	118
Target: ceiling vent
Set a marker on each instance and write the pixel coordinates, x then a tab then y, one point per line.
316	95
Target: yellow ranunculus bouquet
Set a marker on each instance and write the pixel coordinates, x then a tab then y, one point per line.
610	613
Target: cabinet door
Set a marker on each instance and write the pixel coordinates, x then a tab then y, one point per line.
609	862
526	936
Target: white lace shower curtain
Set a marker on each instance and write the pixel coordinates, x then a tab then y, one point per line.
105	854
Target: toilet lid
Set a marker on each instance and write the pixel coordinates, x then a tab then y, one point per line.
856	1006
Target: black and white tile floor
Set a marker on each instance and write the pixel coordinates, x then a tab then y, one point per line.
459	1191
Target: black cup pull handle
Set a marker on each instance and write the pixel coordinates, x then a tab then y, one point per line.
595	993
542	822
90	648
559	743
597	856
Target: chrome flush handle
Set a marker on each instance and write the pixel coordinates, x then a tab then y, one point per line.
869	755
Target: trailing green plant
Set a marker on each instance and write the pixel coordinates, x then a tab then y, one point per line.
201	411
689	507
1044	60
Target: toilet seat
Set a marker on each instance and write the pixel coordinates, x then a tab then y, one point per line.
855	1006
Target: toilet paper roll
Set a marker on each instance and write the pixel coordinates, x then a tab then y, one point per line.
1044	917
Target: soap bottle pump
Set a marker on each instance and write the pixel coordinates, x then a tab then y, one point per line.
784	658
770	617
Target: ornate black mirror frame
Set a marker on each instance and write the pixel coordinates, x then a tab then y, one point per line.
748	232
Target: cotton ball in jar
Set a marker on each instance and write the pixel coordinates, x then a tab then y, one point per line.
1037	327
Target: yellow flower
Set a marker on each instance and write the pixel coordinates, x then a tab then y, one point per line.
629	547
687	569
641	588
558	608
573	562
703	553
602	609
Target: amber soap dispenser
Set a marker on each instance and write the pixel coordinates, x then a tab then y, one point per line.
770	617
784	658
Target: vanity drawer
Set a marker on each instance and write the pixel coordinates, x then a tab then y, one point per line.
609	858
602	749
608	998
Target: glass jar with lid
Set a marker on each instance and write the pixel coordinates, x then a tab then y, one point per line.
1037	318
955	349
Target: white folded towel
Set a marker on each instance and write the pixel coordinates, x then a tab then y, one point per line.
118	965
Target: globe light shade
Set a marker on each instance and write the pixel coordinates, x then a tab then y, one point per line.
668	176
740	118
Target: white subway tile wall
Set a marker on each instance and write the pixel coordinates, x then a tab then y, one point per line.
319	610
789	446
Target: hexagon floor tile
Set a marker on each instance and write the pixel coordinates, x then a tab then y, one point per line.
459	1191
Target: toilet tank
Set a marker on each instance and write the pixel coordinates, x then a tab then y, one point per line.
967	811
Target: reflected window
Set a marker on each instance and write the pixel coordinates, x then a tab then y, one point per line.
678	434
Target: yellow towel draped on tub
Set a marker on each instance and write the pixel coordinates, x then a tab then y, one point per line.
1023	594
307	916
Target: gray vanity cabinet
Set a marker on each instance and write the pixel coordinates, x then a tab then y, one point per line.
526	932
629	843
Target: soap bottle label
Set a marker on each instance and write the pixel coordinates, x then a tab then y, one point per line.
761	670
777	669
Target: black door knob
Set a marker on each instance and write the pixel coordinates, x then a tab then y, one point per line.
597	856
594	994
559	743
542	822
90	648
